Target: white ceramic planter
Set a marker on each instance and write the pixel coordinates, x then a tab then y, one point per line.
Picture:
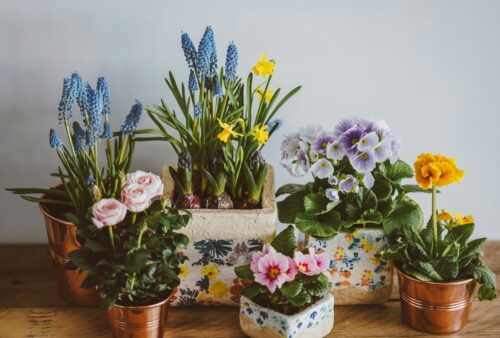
219	240
260	322
358	276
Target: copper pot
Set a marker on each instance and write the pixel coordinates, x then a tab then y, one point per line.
62	240
435	307
146	321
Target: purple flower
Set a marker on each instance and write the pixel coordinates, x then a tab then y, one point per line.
333	180
332	194
368	142
349	140
309	133
303	161
343	126
395	146
289	146
368	180
382	150
363	162
321	142
322	168
348	183
335	150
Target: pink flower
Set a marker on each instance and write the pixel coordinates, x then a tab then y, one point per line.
306	264
258	255
272	269
151	182
135	197
322	260
108	212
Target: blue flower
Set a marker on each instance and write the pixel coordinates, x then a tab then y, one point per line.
90	181
54	140
192	83
216	86
78	136
82	98
95	106
197	110
205	51
68	96
132	118
107	133
103	88
189	49
231	62
274	124
89	137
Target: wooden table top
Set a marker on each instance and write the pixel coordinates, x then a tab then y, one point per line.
30	307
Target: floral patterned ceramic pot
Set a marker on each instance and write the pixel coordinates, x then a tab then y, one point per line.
219	240
358	276
314	321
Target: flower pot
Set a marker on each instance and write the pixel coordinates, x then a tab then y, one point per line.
358	276
147	321
62	240
435	307
219	240
314	321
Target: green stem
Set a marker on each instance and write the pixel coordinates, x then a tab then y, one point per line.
70	139
139	241
111	237
434	222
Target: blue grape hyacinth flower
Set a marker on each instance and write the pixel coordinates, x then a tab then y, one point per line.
205	51
189	50
132	118
192	83
54	140
231	62
103	88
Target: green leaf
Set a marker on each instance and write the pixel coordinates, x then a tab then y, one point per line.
447	268
472	248
427	269
397	171
460	233
483	275
290	189
407	213
252	290
356	204
95	245
325	225
290	207
136	261
314	203
371	216
300	299
244	272
418	275
382	188
83	259
409	188
386	207
285	242
291	289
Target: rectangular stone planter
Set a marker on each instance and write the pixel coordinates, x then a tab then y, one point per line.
219	240
260	322
358	276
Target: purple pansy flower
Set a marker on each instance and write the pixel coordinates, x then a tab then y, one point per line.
333	180
335	150
332	194
343	126
368	142
363	162
348	183
321	142
382	150
303	161
309	133
349	140
368	180
322	168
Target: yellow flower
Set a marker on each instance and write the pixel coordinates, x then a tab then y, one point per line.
268	96
227	131
464	220
261	134
184	271
445	216
264	67
203	298
437	170
211	271
218	289
375	261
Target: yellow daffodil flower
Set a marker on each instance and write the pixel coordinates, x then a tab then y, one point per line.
261	134
268	96
227	131
264	67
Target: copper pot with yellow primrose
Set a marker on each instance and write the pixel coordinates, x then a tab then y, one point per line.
62	240
146	321
435	307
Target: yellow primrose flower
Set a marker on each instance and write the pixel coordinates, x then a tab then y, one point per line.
227	131
261	134
211	271
464	220
264	67
218	289
184	271
437	170
445	216
268	96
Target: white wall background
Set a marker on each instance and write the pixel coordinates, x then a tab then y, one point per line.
429	68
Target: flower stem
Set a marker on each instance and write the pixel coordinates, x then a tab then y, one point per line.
434	222
139	241
111	237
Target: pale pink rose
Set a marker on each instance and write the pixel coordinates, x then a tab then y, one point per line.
151	182
108	212
322	260
273	270
306	264
135	197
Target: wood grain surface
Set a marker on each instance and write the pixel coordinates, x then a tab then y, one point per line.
29	307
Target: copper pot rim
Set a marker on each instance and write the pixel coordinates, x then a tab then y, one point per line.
452	283
46	213
160	303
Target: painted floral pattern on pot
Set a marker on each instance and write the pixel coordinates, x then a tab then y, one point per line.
208	276
314	321
354	264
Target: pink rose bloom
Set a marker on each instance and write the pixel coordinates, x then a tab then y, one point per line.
151	182
108	212
306	264
135	197
272	270
322	260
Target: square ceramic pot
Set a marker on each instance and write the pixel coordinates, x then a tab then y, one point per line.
219	240
358	276
260	322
